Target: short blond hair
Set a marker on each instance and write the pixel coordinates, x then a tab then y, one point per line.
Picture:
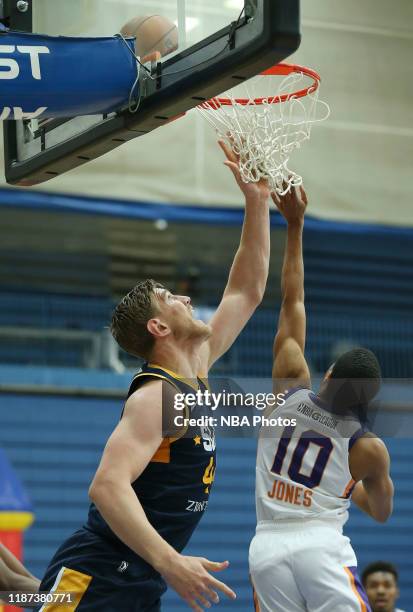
130	319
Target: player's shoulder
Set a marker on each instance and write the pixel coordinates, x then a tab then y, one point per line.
368	457
370	445
149	393
152	377
297	391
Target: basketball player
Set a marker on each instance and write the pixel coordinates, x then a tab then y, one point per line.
381	581
151	490
299	558
14	576
156	36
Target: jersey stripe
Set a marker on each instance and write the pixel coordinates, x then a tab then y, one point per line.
363	606
255	599
174	375
154	375
68	581
349	489
358	434
163	454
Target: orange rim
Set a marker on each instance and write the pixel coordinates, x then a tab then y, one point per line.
277	70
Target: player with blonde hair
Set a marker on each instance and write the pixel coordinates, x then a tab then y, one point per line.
152	488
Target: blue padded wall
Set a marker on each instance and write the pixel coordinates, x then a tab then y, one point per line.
55	442
389	335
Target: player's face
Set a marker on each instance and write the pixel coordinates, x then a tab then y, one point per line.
178	314
382	591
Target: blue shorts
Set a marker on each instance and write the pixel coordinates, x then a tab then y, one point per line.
102	576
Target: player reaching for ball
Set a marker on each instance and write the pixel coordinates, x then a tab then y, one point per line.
151	490
305	476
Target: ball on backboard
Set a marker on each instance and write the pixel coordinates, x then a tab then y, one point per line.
154	34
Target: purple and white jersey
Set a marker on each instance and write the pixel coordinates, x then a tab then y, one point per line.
303	471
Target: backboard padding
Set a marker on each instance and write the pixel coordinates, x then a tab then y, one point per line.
193	73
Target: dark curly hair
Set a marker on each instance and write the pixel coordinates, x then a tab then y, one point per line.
354	381
379	566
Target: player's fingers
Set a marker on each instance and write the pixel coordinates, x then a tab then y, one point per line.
202	600
287	194
234	169
304	195
221	586
297	194
212	595
191	600
276	198
234	147
229	153
226	149
214	566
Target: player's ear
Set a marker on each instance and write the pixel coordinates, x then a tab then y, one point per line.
329	372
157	328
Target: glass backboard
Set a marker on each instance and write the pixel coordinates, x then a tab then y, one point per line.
197	49
195	20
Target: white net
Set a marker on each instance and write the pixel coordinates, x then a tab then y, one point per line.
264	135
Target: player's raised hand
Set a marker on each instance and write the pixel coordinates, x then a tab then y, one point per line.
250	190
190	577
293	204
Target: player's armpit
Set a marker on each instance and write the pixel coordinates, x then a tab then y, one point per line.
369	462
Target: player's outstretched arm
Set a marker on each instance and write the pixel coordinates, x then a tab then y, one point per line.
370	467
128	451
289	363
249	272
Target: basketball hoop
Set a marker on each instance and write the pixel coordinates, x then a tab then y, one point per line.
264	131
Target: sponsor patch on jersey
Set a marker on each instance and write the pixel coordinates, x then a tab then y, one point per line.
316	415
196	506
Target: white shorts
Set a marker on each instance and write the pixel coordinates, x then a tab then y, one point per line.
309	568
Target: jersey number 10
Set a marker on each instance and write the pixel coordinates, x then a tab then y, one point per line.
302	445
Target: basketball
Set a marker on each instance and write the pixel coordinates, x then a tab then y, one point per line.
200	269
153	33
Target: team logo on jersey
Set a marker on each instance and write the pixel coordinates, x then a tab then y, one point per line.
123	567
208	438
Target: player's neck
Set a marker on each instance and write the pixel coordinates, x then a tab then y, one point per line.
181	360
322	396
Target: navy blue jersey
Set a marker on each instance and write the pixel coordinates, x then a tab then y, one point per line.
175	486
